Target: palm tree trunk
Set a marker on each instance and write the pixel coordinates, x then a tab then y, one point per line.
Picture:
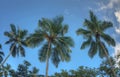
47	60
47	66
7	56
107	56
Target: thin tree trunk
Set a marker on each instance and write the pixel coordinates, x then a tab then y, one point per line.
107	56
7	56
47	60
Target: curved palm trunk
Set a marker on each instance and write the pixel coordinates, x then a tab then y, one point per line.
7	56
47	60
107	56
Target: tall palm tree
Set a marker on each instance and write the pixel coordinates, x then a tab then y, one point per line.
95	36
55	45
1	54
17	41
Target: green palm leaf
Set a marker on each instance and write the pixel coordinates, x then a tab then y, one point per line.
93	49
105	25
108	39
13	28
83	32
22	51
43	52
102	49
86	43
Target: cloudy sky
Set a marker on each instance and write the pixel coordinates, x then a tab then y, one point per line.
26	13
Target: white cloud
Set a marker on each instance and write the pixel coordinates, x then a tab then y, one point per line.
117	30
117	14
117	49
117	52
110	5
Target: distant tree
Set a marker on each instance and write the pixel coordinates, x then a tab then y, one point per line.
17	41
84	72
6	70
55	45
80	72
105	68
96	38
34	72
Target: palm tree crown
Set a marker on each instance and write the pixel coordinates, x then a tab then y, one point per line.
55	45
17	40
95	36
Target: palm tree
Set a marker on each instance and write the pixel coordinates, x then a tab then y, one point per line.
55	45
1	54
17	41
95	36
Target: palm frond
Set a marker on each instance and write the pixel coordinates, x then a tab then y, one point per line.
58	20
103	51
43	52
83	32
93	49
1	56
86	43
105	25
55	57
10	35
44	24
67	41
93	18
9	41
13	28
13	49
34	39
65	29
108	39
22	51
22	34
0	46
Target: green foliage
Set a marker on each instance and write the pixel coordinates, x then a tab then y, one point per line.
53	32
105	68
23	70
1	54
17	40
95	36
80	72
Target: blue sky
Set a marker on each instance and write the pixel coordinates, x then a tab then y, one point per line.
26	13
